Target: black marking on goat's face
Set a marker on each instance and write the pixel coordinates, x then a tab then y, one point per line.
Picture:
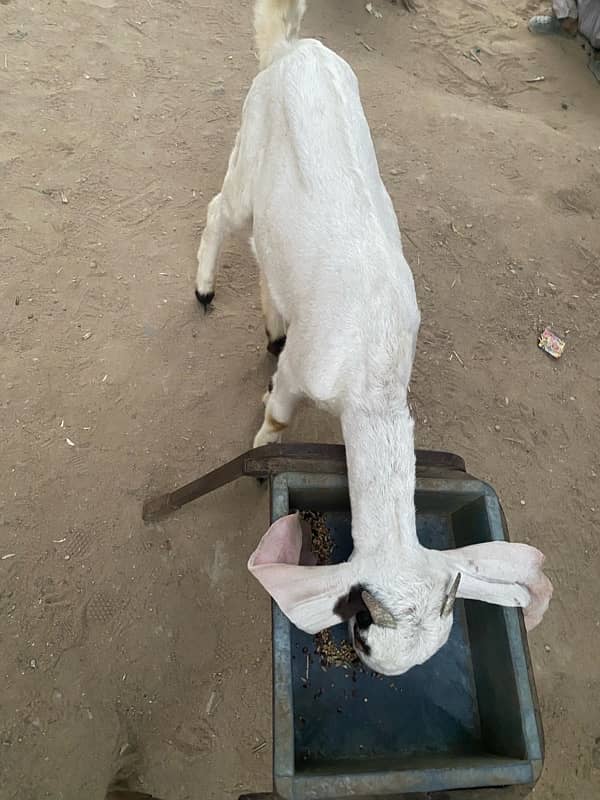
275	347
364	620
352	605
359	642
205	299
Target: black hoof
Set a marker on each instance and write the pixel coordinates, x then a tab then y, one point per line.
276	347
205	299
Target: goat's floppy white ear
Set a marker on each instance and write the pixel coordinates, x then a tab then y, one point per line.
503	573
307	595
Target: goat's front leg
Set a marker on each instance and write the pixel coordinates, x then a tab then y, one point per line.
280	403
274	322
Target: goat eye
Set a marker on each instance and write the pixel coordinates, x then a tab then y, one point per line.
364	619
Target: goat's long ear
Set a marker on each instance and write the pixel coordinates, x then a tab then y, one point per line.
503	573
307	595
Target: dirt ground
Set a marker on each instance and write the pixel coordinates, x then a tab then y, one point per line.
116	120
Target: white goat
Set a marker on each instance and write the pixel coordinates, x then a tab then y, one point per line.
304	173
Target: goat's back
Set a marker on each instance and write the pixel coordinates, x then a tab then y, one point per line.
324	227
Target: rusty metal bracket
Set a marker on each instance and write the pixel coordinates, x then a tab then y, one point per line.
273	459
263	796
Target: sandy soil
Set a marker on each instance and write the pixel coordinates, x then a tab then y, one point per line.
116	120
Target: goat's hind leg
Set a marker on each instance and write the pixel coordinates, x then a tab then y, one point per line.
208	253
227	211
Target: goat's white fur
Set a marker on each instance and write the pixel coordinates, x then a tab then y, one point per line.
304	173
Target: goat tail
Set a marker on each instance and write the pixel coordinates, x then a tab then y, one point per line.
275	23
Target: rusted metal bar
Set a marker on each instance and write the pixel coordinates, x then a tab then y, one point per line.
263	796
273	459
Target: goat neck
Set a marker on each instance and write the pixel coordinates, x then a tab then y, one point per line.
381	475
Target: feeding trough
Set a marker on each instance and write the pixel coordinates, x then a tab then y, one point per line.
468	718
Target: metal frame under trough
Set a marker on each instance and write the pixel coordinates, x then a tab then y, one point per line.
273	459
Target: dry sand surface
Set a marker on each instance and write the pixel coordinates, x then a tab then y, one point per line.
116	120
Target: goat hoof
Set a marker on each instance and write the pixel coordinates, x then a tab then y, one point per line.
275	347
205	299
